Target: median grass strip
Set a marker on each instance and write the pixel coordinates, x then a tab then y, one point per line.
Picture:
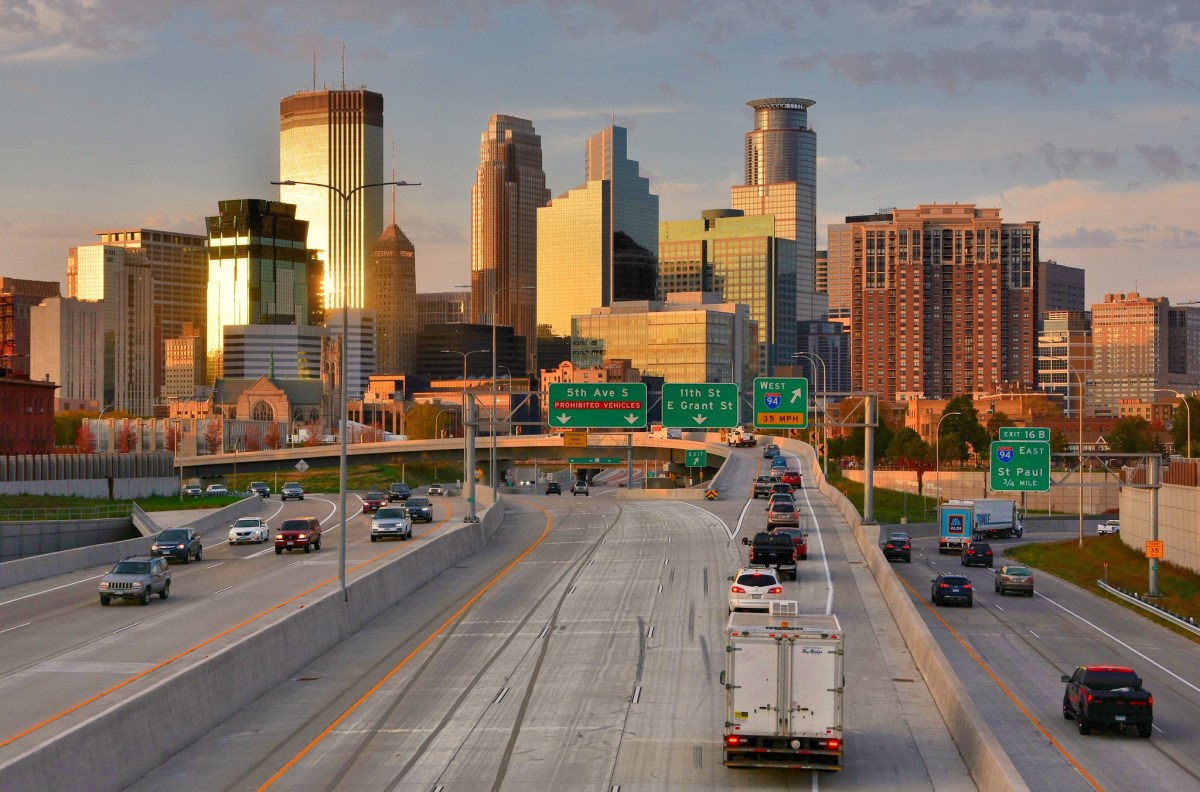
1128	570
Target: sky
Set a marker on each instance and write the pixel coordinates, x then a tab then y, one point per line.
1081	114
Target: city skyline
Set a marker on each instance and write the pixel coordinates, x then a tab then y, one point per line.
1083	121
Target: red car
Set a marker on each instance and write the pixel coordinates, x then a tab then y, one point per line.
799	540
792	477
373	500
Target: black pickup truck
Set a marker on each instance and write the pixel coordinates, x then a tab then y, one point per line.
775	550
1108	697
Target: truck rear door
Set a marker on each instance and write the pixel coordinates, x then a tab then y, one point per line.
815	696
754	695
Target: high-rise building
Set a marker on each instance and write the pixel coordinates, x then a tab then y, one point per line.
510	187
743	260
335	138
392	296
17	298
781	180
274	351
692	337
450	307
260	271
1060	288
1129	350
67	347
122	279
360	363
1183	348
943	302
830	342
185	365
1064	358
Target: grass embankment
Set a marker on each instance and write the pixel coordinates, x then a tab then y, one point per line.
1127	569
888	506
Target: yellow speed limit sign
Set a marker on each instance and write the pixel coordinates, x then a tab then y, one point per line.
1154	549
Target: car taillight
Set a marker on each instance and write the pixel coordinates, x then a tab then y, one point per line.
1089	698
943	585
737	589
1150	701
966	585
989	552
905	546
889	546
775	590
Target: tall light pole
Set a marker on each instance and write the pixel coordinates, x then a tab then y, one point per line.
345	353
492	464
465	355
824	403
1079	451
937	454
1188	407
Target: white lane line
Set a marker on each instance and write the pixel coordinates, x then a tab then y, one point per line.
997	607
26	624
126	627
637	694
719	521
824	556
500	698
649	632
214	566
47	591
1104	632
1035	635
1155	726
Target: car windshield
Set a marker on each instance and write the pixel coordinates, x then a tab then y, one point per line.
399	486
131	568
955	580
173	536
391	514
780	505
247	522
1016	571
756	579
375	496
291	484
257	484
417	503
898	537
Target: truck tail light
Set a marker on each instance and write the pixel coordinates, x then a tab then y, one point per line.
832	745
989	552
732	739
1089	698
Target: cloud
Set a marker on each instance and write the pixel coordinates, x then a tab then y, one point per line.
1084	238
1165	160
1069	161
424	230
833	166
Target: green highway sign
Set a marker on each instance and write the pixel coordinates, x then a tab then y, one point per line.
597	405
700	405
780	402
594	460
697	458
1024	433
1020	466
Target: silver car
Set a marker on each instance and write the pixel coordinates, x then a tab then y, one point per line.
291	490
249	529
391	521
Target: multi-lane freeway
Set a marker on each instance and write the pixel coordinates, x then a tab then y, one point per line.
582	650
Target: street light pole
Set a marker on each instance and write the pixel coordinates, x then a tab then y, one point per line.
492	464
1188	452
824	404
345	352
1079	451
937	454
466	470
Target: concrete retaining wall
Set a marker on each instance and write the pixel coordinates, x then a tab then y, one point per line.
989	765
24	539
1178	522
181	708
22	570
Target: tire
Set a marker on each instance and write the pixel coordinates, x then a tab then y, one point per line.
166	592
301	497
374	538
145	598
278	551
105	600
187	557
804	557
317	546
1145	730
199	553
307	547
1084	726
1067	714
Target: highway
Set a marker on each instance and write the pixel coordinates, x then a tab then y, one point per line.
1011	651
62	649
580	650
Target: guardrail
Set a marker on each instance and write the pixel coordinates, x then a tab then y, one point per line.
67	513
1186	624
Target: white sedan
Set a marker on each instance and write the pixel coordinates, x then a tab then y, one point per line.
1109	527
249	529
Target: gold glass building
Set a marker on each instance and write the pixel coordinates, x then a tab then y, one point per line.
335	138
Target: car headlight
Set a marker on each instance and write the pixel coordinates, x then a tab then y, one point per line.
137	584
154	548
179	547
301	536
103	585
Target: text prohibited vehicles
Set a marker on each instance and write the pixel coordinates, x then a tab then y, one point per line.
603	405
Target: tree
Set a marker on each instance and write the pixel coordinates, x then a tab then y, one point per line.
252	438
998	421
271	438
965	429
214	436
1040	407
420	421
66	426
84	439
126	437
1058	441
907	448
1179	425
1132	435
171	437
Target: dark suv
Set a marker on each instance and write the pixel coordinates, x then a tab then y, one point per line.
977	554
897	546
420	509
260	489
399	492
178	543
954	589
136	577
553	488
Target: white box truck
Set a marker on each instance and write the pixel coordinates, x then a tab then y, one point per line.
783	690
994	518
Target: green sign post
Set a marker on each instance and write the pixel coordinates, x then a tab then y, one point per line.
1020	466
597	405
1025	433
695	458
780	403
700	405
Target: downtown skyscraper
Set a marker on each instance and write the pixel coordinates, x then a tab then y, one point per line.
598	243
510	187
781	180
335	138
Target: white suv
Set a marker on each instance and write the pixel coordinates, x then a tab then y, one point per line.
753	588
580	488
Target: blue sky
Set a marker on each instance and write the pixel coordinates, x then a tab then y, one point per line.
1083	114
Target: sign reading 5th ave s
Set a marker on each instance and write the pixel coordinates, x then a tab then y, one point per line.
597	405
780	402
1020	465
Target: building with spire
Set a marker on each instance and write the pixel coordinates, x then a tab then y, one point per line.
597	243
510	187
392	296
335	138
781	180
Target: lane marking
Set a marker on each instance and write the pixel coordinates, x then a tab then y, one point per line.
637	694
1035	635
19	626
499	698
47	591
824	556
303	752
1003	688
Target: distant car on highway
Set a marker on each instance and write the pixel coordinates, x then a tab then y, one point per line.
391	522
897	546
977	554
782	513
553	488
298	533
753	588
954	589
192	491
291	490
1108	527
419	509
435	489
399	492
373	500
249	529
580	488
1014	577
136	577
793	477
799	539
260	489
178	543
770	450
762	486
216	489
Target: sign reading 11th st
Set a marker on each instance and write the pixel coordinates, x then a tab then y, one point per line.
697	405
599	405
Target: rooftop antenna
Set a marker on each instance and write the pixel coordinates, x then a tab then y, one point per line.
343	66
314	70
393	182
